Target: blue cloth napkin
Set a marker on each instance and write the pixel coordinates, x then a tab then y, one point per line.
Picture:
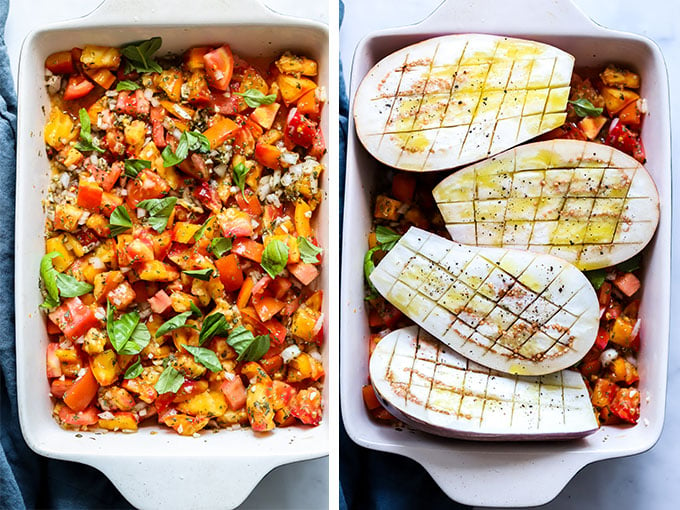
370	479
26	479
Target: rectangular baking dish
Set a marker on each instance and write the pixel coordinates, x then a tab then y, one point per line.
512	474
156	468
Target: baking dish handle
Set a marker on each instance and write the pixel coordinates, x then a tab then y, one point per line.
552	16
189	482
133	12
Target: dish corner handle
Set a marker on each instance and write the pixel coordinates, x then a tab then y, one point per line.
185	481
554	16
162	11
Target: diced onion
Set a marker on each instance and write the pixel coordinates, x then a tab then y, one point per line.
318	325
220	170
148	94
608	356
97	263
636	329
106	415
290	353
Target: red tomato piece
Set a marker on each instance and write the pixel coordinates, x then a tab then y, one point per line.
53	363
82	418
89	195
133	103
145	186
235	223
107	177
627	283
160	302
157	129
83	390
306	406
268	155
305	273
219	66
626	404
227	105
78	86
602	339
235	393
207	195
249	204
231	275
74	318
403	187
59	387
622	138
277	331
300	129
60	63
318	146
266	306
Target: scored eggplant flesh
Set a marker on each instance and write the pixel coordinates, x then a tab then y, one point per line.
582	201
430	387
515	311
453	100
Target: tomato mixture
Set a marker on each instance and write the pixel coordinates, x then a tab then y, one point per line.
181	258
603	108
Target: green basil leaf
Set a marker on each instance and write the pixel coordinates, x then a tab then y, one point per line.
274	257
138	340
369	266
139	55
197	142
205	357
176	322
170	381
49	277
70	287
584	108
630	265
134	166
127	85
85	143
386	237
247	346
308	251
596	277
255	98
195	310
175	158
239	173
220	245
120	221
159	211
200	274
213	325
199	233
134	370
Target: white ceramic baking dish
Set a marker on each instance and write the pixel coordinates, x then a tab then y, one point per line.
156	468
512	474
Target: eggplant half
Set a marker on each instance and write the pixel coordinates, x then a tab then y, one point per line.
585	202
514	311
452	100
430	387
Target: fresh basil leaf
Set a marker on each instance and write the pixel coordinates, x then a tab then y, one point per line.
134	370
308	251
138	340
199	233
196	141
247	346
596	277
70	287
195	310
159	210
120	221
200	274
255	98
386	237
205	357
176	322
126	334
213	325
239	173
170	381
134	166
139	55
584	108
127	85
369	266
274	257
220	245
49	277
85	143
188	141
630	265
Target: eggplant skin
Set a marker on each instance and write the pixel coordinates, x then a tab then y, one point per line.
429	387
585	202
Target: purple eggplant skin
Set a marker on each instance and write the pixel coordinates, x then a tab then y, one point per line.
476	436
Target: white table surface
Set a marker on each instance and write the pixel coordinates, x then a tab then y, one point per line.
649	480
299	486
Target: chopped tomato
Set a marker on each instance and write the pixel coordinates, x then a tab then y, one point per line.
625	140
107	176
626	404
53	362
78	86
306	406
82	391
231	275
219	66
74	318
248	248
235	223
235	392
89	195
133	103
300	129
627	283
81	418
145	186
197	88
